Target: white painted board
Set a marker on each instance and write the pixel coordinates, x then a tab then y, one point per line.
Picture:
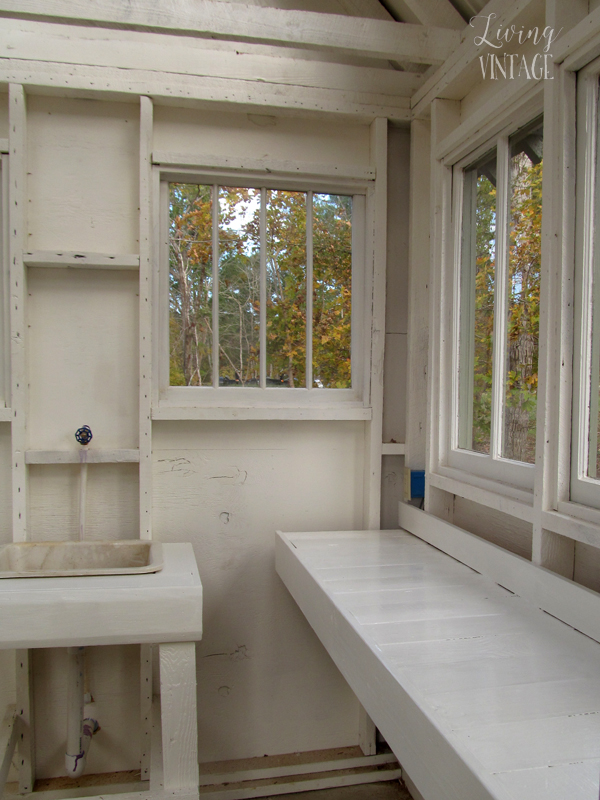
478	692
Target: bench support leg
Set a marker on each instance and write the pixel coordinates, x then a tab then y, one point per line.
179	720
367	736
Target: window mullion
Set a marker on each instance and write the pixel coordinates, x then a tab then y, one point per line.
309	289
215	284
263	290
500	297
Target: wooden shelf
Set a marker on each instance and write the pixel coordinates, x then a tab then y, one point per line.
5	414
76	456
393	449
81	260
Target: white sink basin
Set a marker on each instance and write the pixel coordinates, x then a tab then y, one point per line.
58	559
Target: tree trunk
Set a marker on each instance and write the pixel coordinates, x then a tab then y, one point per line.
516	417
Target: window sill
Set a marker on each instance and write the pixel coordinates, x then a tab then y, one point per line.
574	522
514	477
497	495
266	412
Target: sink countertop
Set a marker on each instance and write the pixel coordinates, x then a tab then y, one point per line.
163	606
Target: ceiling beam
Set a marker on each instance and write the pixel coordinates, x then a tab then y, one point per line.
428	12
209	19
366	8
45	77
118	50
451	72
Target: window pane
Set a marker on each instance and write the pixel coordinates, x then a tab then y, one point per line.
190	284
239	286
523	307
332	283
286	288
478	260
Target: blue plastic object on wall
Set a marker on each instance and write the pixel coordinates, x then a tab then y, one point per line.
417	483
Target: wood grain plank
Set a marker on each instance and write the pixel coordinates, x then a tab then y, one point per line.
25	712
377	255
146	710
8	741
179	720
565	780
384	698
17	198
145	320
117	456
77	260
88	82
518	701
560	597
203	18
513	689
187	56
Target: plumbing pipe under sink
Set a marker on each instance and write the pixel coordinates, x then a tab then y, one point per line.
84	436
79	730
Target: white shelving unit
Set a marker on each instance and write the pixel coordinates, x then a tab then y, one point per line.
145	613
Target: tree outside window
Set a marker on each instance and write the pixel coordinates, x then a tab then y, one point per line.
500	297
273	253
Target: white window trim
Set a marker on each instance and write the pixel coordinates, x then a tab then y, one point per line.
4	294
210	402
584	490
493	466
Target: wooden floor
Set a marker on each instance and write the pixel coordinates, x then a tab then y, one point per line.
390	790
462	677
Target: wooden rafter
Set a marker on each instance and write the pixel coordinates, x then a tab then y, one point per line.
205	18
506	12
428	12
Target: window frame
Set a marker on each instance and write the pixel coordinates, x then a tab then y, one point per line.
261	402
583	489
492	466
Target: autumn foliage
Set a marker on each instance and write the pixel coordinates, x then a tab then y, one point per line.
191	288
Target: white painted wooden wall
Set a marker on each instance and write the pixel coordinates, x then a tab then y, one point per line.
224	486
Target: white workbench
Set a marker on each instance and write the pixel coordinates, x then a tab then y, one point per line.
479	694
163	608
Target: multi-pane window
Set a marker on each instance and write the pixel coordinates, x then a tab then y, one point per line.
260	287
498	286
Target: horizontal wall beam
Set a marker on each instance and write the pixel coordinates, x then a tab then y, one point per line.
262	165
75	456
270	412
115	49
349	36
168	88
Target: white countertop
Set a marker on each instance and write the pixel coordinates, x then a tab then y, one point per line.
164	606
